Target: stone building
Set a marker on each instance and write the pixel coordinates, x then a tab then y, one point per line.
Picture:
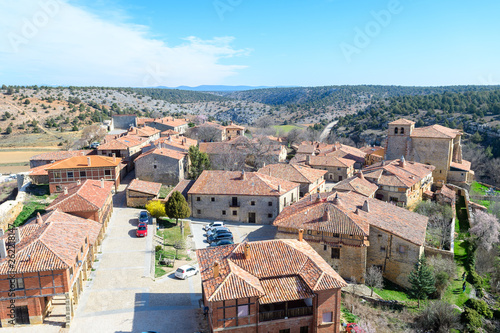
233	131
374	154
208	132
139	192
435	145
170	123
401	182
146	132
54	156
240	196
310	180
353	232
162	165
90	199
269	286
175	142
124	121
338	168
79	168
54	256
357	184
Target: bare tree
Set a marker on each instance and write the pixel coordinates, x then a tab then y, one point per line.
92	133
440	217
205	133
229	159
374	278
296	136
264	122
439	317
485	230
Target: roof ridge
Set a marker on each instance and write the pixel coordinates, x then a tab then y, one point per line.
220	286
50	249
319	279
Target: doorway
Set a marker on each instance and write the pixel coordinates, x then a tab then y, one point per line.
251	217
22	315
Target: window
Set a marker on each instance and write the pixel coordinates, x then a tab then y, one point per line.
70	174
18	284
270	203
338	169
71	273
286	330
325	247
331	176
83	174
57	175
402	130
304	329
243	310
402	249
107	172
252	203
328	317
235	212
198	199
382	248
270	216
309	232
336	235
223	212
198	212
212	199
396	130
154	166
335	253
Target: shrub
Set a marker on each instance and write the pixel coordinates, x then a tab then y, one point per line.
477	281
480	306
471	319
157	248
439	317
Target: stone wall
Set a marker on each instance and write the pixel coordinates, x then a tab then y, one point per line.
433	252
124	121
160	169
10	209
437	152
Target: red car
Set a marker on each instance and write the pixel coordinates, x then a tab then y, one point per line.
142	230
354	328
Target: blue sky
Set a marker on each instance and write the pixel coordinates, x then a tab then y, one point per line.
243	42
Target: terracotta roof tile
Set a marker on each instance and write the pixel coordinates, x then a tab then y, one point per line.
330	161
145	131
123	142
395	173
144	187
89	196
465	165
175	154
78	162
59	155
293	172
358	185
435	131
40	170
402	121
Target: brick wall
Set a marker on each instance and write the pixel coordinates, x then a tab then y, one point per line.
328	301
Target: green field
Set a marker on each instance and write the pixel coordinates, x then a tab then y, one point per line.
284	129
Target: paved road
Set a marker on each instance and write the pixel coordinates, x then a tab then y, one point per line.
241	232
327	130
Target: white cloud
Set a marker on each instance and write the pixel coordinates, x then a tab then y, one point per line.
53	42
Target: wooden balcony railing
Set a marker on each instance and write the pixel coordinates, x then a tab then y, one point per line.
282	314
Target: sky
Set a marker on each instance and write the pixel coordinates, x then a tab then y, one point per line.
171	43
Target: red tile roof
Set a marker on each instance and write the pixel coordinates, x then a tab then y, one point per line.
358	184
80	162
59	155
344	216
331	161
392	173
276	271
375	150
123	142
402	121
435	131
175	154
144	187
293	172
218	182
177	141
465	165
234	126
171	121
40	170
144	121
145	131
51	244
87	197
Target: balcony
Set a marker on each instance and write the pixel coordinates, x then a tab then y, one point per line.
234	204
276	311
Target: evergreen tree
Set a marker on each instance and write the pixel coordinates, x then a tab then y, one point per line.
177	208
422	281
199	162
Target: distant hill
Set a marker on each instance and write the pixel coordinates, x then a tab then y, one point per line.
216	88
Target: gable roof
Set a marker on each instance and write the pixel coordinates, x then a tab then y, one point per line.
87	197
51	242
358	184
293	172
79	162
59	155
144	131
219	182
331	161
144	186
402	121
123	142
175	154
393	219
290	264
435	131
396	173
39	170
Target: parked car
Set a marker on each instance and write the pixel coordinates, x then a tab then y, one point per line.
94	145
219	236
221	231
212	225
222	242
216	230
142	230
354	328
186	271
144	217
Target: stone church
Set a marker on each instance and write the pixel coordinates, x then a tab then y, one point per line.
435	145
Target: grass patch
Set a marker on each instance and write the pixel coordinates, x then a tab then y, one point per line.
348	316
29	211
454	294
171	234
159	272
164	191
392	292
284	129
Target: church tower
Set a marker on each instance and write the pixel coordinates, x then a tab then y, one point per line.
398	138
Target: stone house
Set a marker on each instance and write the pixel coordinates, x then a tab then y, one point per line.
233	131
39	174
240	196
347	152
47	265
374	154
55	156
146	132
162	165
434	145
208	132
310	180
338	168
139	192
90	199
79	168
269	286
175	142
400	182
143	121
353	232
170	123
127	147
357	184
124	121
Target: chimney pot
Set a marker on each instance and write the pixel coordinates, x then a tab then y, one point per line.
18	235
216	269
279	188
38	218
114	157
102	182
78	182
243	176
3	249
88	161
301	235
366	207
65	190
247	251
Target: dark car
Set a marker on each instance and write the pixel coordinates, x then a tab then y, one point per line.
222	242
215	234
220	236
144	217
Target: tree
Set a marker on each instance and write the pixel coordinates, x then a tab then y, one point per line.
8	130
199	162
177	208
156	208
486	230
10	91
93	133
422	281
439	317
374	278
439	226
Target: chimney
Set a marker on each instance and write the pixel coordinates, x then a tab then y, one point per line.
65	190
308	159
366	207
357	211
402	162
102	182
301	235
114	157
326	215
88	161
39	218
279	188
78	182
18	235
3	249
337	201
247	251
360	175
215	269
243	177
